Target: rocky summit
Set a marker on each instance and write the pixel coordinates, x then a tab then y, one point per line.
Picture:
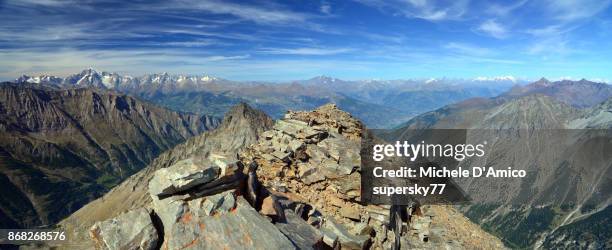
297	187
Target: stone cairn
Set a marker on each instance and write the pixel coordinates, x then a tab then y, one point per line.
297	188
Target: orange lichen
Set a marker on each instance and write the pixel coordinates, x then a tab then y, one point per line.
192	243
186	218
247	239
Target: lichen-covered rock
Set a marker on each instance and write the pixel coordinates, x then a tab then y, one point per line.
188	225
131	230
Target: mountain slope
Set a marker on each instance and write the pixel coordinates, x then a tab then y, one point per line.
241	127
567	164
61	148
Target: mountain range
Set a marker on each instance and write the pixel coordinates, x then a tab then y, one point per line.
70	140
379	103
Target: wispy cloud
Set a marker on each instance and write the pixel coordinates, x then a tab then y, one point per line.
305	51
504	10
62	62
572	10
467	49
550	47
494	29
269	15
423	9
374	36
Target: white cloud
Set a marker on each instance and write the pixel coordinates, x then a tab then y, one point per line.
258	14
494	29
305	51
423	9
67	61
503	10
550	47
573	10
548	31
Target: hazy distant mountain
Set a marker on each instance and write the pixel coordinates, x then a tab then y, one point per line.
377	103
59	149
580	94
566	172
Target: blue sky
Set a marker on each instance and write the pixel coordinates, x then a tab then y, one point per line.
265	40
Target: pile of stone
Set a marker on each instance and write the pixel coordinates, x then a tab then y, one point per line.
312	159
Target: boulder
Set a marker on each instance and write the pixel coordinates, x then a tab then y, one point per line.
347	240
131	230
267	207
296	129
350	212
182	176
296	145
187	225
300	233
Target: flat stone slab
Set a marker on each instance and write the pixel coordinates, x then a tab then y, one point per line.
131	230
187	225
182	176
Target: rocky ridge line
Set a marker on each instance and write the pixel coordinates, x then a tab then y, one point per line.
308	166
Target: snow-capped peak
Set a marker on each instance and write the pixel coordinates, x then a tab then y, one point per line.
431	80
207	78
495	78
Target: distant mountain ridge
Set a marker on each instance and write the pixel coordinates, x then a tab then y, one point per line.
60	148
379	103
581	94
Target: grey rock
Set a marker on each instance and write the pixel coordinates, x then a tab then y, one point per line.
220	203
329	238
346	239
131	230
228	164
316	154
297	129
350	212
363	229
348	187
344	151
296	145
303	235
182	176
186	225
283	156
309	174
